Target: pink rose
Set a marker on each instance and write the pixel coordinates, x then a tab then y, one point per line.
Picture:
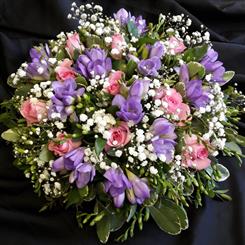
119	136
114	86
176	46
34	110
195	154
64	70
172	98
117	45
183	112
73	43
61	145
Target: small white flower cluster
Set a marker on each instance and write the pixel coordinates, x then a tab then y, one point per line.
142	154
96	82
100	120
198	37
91	19
217	110
21	73
176	171
57	44
42	89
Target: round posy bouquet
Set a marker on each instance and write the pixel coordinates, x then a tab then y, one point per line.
126	116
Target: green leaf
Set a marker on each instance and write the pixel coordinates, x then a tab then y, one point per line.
117	220
46	155
132	211
180	87
228	75
180	212
166	219
61	54
131	66
119	65
81	80
10	135
232	146
195	69
103	228
145	40
75	196
132	29
99	145
223	171
195	54
23	89
93	40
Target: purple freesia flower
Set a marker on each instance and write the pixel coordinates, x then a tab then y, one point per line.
93	62
65	94
194	90
139	190
38	68
116	185
140	24
163	140
82	172
123	16
69	161
139	88
150	67
130	109
156	50
213	66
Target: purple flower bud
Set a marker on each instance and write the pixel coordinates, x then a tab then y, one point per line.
93	62
139	191
65	94
69	161
140	24
214	67
157	50
38	69
194	89
150	67
139	88
116	185
130	109
122	16
163	140
83	174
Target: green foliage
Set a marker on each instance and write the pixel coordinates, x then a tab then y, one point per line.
76	196
196	69
130	68
93	40
132	29
228	75
10	135
99	145
46	155
169	217
195	54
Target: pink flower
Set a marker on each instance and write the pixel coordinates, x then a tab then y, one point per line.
176	46
183	112
73	43
195	154
117	46
114	86
34	110
119	136
61	145
64	70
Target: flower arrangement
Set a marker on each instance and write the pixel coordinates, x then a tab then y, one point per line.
127	116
